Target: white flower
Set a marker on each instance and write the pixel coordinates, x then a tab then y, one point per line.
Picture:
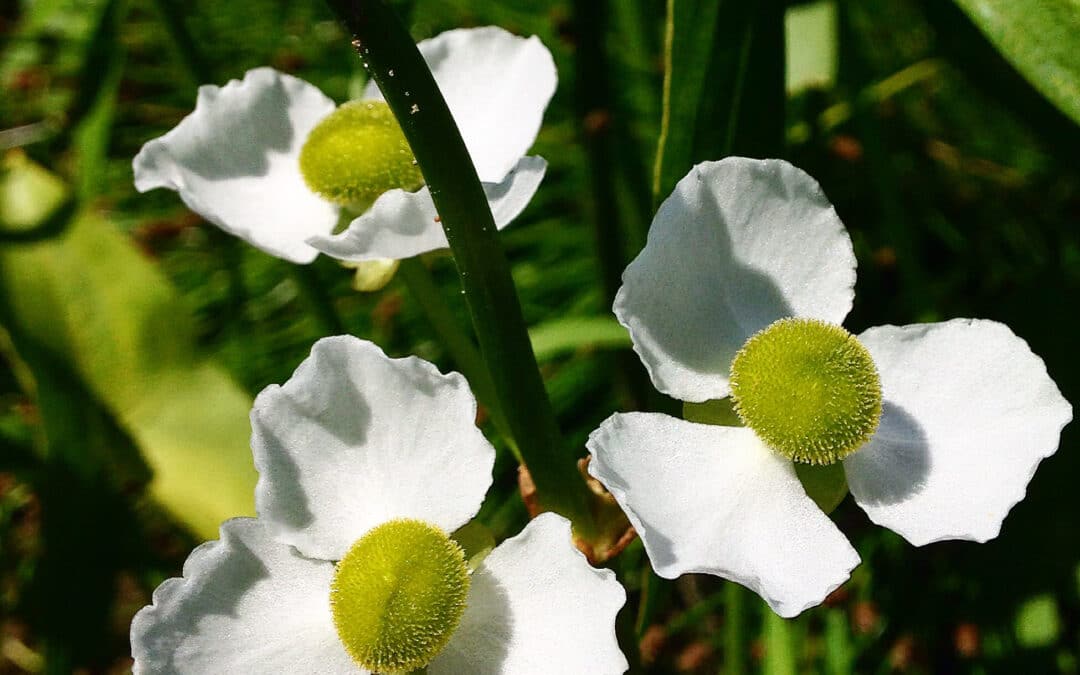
353	444
235	160
967	411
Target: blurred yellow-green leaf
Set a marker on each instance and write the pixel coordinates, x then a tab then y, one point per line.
94	303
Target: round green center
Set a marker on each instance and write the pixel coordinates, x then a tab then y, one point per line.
357	153
809	389
398	595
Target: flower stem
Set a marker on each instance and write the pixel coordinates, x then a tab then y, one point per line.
735	643
780	657
385	46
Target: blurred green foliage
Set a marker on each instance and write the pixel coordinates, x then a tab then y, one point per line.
135	334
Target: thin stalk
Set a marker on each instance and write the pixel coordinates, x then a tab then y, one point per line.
462	349
735	643
385	46
651	587
780	656
665	104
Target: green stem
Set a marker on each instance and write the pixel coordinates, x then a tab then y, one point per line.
735	644
385	46
665	105
462	350
780	658
654	591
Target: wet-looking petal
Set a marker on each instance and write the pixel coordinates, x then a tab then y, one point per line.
398	595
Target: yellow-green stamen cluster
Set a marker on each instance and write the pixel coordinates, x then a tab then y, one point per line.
357	153
398	595
809	389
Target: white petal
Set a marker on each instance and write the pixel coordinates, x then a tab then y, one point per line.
969	412
536	606
739	244
355	438
402	224
496	85
235	161
714	499
246	604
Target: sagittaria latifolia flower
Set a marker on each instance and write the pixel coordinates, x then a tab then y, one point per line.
365	464
739	293
272	160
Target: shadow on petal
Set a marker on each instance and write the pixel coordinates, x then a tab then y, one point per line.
692	293
337	417
481	642
215	595
256	132
895	464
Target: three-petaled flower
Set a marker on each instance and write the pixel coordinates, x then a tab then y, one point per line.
269	159
740	291
365	464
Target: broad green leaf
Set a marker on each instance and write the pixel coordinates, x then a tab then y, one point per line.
90	300
723	85
1041	38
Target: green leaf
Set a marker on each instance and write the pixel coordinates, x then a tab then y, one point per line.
1041	38
92	302
826	485
723	85
560	336
716	411
476	540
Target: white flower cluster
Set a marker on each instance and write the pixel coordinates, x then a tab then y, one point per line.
355	440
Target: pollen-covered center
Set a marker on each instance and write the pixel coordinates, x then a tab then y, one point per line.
809	389
357	153
398	595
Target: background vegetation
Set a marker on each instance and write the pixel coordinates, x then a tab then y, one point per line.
133	335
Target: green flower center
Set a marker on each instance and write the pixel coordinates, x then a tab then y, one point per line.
809	389
398	595
357	153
